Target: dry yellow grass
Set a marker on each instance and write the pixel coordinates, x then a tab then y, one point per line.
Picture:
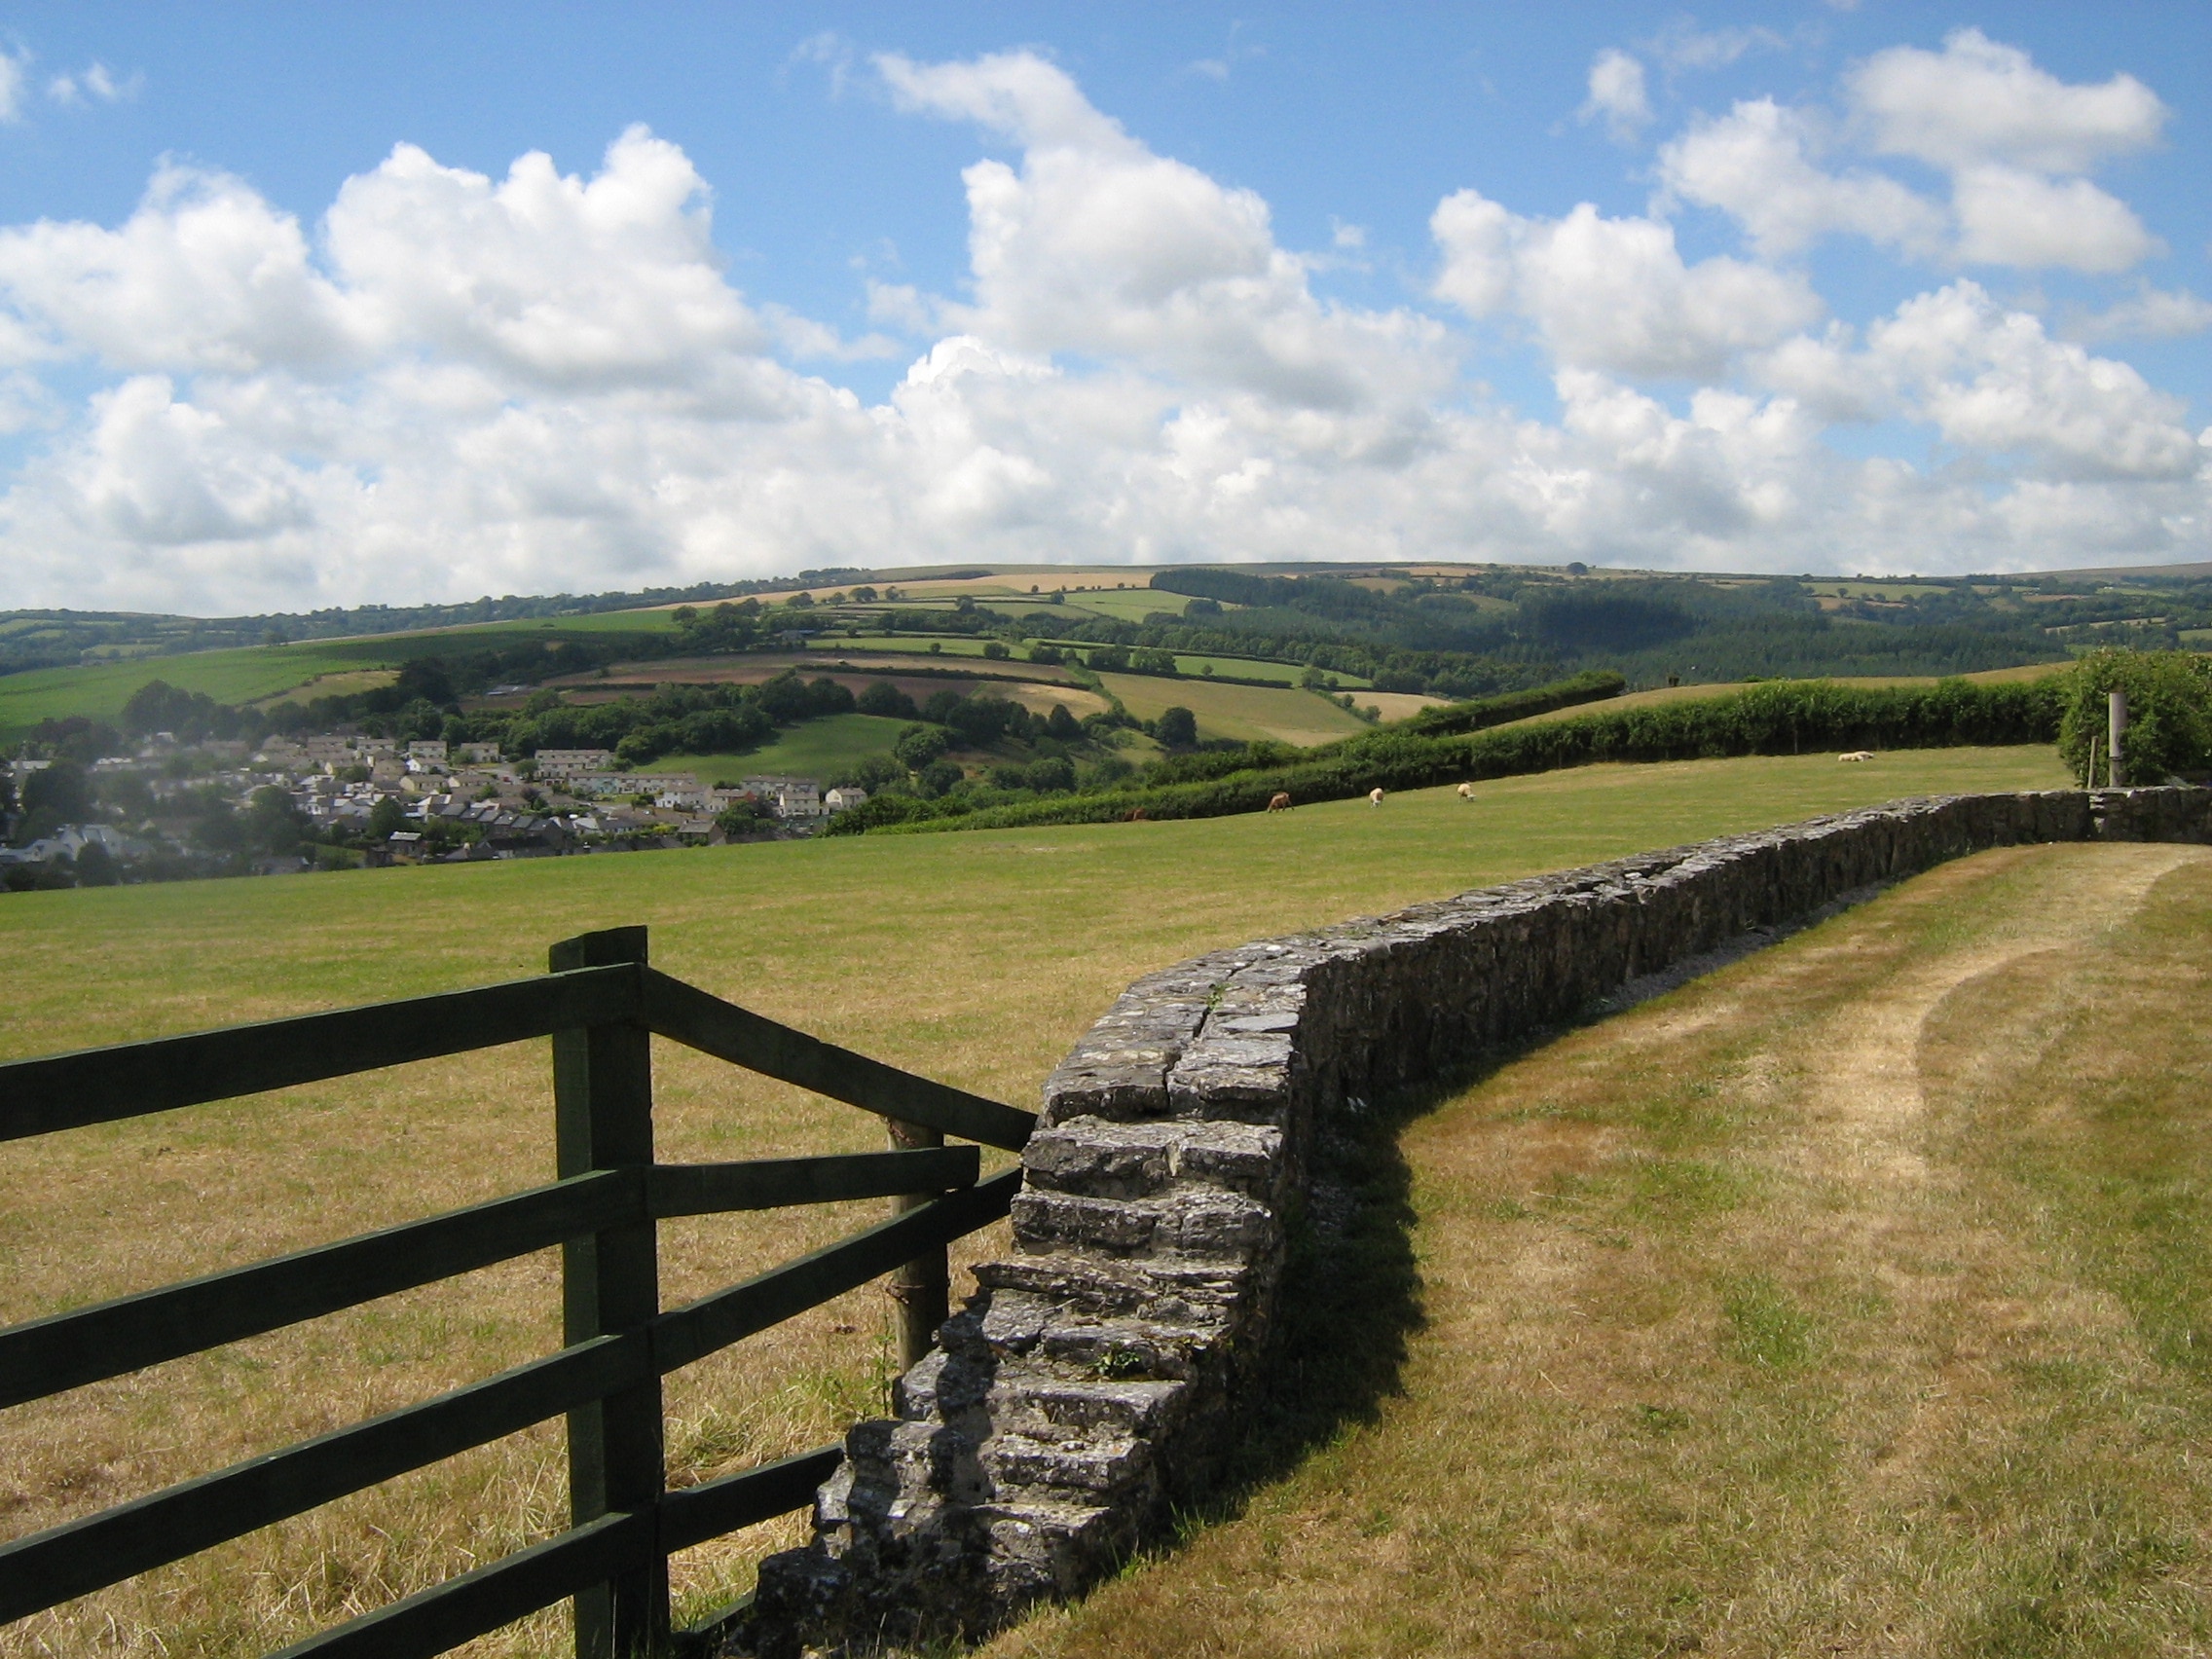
975	958
1851	1301
1397	704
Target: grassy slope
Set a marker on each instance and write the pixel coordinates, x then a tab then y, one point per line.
1241	712
1852	1300
255	672
975	958
101	690
813	750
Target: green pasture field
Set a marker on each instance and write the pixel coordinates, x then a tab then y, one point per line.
1243	668
815	749
1128	605
974	958
904	644
251	674
243	675
657	619
1245	713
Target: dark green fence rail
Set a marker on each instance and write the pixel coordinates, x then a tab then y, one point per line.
601	1004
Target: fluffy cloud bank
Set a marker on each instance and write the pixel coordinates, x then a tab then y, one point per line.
455	384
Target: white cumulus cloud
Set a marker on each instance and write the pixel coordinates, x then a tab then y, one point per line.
1613	294
2151	313
1096	243
1980	101
2010	216
2014	140
1618	93
1758	164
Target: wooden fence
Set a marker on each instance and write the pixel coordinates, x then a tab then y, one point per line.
599	1005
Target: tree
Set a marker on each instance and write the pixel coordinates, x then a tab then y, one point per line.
425	678
1177	728
918	746
387	818
742	817
1064	725
886	699
871	772
54	796
272	823
939	777
96	867
825	696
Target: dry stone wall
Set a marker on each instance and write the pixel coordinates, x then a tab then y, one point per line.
1092	1381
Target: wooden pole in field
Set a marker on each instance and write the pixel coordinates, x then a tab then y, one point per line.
923	1287
603	1110
2116	717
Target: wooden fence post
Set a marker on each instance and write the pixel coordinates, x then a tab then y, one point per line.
603	1103
923	1287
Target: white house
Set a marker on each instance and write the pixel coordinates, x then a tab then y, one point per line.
565	762
838	800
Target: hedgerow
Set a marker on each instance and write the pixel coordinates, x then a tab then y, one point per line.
1784	717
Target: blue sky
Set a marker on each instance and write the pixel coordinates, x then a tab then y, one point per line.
1888	288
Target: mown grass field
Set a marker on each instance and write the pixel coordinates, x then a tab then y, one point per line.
258	674
101	690
1855	1300
816	748
1245	713
974	958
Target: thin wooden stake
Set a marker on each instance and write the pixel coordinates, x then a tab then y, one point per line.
923	1287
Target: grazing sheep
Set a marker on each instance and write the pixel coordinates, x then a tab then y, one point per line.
1857	754
1374	797
1279	803
1466	791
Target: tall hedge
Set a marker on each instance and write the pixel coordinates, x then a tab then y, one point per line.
2169	713
1784	718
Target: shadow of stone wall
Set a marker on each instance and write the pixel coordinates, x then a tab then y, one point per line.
1101	1378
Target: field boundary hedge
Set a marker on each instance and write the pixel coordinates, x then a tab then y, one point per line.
1780	717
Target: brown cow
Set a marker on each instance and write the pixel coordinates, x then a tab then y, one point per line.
1280	801
1135	815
